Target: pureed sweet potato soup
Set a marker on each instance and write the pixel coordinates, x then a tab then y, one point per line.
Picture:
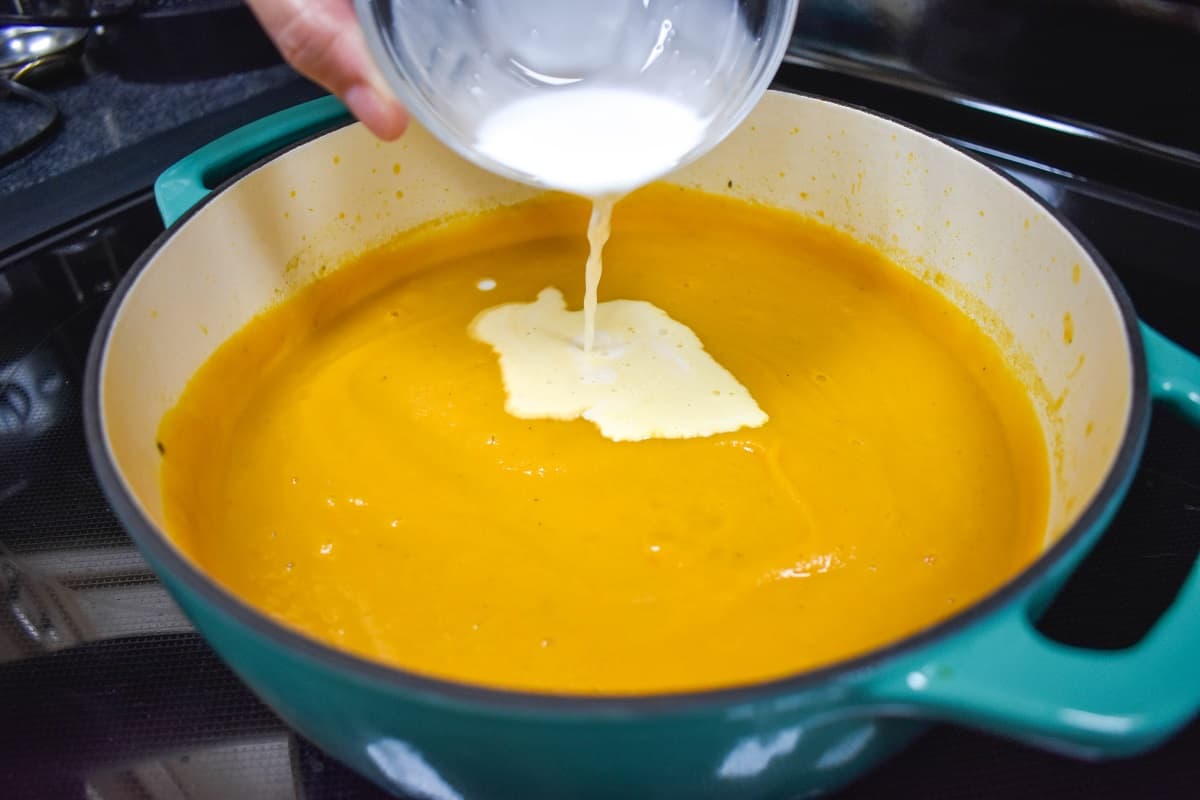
346	462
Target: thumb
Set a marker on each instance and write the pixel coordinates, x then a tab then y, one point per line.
322	40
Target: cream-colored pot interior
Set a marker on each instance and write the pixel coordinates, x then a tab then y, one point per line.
965	229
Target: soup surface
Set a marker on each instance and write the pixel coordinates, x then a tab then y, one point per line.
345	462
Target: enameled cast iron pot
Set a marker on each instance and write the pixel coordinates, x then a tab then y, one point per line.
967	229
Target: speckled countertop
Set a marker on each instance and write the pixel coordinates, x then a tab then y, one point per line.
116	134
102	114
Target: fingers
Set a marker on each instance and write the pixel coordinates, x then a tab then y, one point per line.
322	40
379	111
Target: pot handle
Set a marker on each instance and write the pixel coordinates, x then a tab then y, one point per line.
1001	674
190	180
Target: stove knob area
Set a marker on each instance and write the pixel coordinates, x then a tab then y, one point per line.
87	266
30	397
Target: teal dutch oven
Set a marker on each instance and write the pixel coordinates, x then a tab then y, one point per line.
311	188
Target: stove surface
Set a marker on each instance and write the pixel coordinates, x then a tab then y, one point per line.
108	694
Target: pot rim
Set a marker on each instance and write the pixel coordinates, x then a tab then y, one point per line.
156	543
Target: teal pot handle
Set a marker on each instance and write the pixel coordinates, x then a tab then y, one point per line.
187	182
1001	674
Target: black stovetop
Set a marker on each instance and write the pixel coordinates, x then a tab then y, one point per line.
107	693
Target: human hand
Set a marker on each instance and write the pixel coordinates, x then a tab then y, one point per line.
321	39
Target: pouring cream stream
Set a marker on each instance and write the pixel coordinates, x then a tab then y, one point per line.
631	138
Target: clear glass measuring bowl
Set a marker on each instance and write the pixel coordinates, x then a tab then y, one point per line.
590	96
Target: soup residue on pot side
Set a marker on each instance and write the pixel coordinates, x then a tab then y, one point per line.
345	462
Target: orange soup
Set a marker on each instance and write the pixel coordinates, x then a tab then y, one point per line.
345	462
